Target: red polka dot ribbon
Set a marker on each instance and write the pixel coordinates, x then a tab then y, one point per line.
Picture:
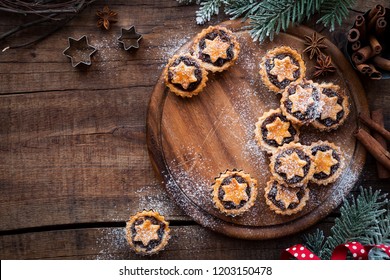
299	252
358	251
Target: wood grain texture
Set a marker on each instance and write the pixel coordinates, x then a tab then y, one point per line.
110	243
72	142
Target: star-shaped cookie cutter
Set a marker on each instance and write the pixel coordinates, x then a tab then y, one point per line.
129	38
79	51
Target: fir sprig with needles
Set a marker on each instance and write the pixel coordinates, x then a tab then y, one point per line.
269	17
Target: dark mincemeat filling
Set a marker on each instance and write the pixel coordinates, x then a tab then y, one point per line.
153	243
333	169
272	196
264	131
211	36
274	79
198	73
296	179
229	204
328	121
312	111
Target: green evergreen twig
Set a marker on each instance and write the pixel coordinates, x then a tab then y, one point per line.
365	219
335	11
207	9
269	17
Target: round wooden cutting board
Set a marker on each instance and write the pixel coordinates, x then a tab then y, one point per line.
191	141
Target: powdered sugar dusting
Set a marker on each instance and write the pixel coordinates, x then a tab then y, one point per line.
112	244
168	47
160	202
107	49
194	166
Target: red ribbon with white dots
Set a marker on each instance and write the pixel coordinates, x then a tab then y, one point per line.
358	251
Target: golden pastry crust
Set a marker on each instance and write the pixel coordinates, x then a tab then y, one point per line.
292	165
335	107
328	160
234	192
285	200
273	130
185	76
280	67
301	103
216	47
147	232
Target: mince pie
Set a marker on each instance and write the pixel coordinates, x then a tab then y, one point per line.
274	130
280	67
185	75
335	107
300	102
292	164
147	232
328	162
234	192
285	200
217	48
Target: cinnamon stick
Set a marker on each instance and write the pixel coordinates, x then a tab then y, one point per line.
373	147
356	45
382	62
362	55
380	26
353	35
364	68
375	45
377	116
373	125
375	10
373	19
360	25
375	74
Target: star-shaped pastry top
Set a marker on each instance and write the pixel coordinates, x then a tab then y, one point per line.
330	107
292	166
216	49
146	232
284	69
79	51
301	99
287	195
324	162
183	74
278	130
129	38
235	192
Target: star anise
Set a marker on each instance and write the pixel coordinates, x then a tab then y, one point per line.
314	45
106	16
324	65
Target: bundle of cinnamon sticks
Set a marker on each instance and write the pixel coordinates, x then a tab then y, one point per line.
376	144
368	40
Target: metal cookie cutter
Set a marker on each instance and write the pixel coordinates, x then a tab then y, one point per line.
79	51
129	38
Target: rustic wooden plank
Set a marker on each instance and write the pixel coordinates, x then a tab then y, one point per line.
42	67
110	243
81	155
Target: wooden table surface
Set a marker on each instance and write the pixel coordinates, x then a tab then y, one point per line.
74	164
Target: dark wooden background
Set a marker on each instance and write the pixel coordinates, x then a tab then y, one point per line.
74	163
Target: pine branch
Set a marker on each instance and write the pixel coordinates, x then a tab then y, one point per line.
241	8
315	242
274	16
269	17
207	9
335	11
364	219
